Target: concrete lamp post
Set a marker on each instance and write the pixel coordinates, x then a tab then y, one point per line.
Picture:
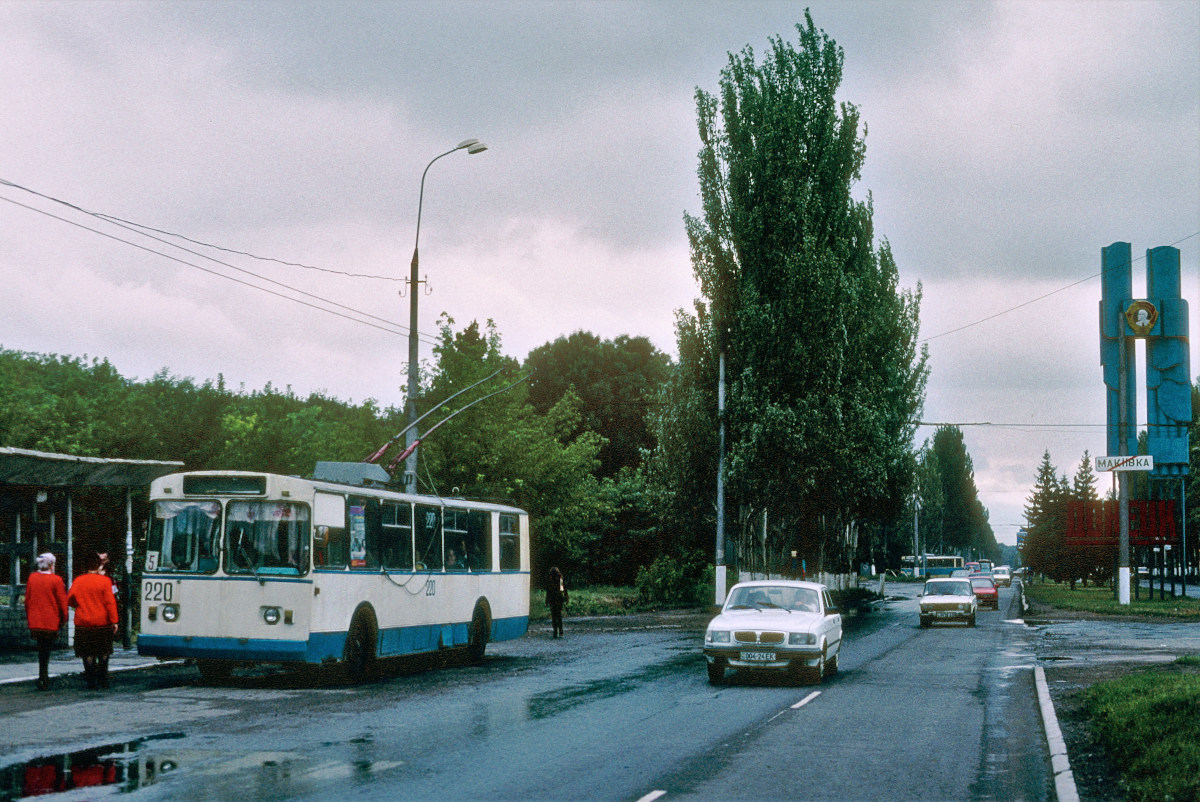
471	146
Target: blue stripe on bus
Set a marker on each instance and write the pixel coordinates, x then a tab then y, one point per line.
322	646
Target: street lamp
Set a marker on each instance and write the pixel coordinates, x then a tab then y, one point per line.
471	146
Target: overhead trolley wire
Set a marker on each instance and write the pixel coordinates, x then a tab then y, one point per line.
1047	295
388	325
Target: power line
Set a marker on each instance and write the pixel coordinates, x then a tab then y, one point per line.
398	330
126	223
1047	295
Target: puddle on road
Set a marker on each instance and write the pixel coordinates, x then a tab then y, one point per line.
546	704
120	768
119	764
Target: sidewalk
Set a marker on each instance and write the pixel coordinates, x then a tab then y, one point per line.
23	666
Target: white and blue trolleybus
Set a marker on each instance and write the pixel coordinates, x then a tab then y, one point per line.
246	567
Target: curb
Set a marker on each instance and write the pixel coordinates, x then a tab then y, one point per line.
111	670
1064	778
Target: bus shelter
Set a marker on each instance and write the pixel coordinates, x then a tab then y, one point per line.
38	492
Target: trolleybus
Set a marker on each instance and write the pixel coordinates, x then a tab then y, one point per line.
932	564
246	567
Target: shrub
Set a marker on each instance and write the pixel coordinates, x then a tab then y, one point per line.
674	580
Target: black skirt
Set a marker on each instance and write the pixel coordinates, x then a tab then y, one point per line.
93	641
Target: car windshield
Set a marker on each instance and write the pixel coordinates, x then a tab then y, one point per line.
982	582
784	597
947	589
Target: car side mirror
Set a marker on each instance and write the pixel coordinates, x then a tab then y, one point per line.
831	611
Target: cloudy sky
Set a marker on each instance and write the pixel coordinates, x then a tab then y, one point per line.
1008	143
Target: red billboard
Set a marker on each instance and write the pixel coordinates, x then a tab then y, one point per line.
1098	523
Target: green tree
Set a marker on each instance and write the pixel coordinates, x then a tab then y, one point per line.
500	448
616	382
826	376
1045	517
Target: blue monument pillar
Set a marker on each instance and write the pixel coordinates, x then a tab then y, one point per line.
1162	320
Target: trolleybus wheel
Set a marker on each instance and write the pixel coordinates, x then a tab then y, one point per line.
479	635
215	670
359	654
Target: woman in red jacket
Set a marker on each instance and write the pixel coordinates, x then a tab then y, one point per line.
45	612
95	621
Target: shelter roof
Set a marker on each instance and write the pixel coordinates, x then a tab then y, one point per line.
19	466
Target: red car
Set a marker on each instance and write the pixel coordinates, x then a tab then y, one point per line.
985	591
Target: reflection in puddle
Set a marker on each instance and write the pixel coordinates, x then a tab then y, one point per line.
119	764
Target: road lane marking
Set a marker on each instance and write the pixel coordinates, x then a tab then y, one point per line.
653	795
806	700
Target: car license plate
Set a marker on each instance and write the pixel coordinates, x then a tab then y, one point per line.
945	615
758	657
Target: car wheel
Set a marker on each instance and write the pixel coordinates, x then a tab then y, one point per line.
924	621
971	621
716	672
831	667
819	673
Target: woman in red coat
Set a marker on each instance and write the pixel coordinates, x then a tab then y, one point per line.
45	612
95	621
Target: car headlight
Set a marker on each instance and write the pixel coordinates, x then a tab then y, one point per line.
801	639
170	612
718	636
271	615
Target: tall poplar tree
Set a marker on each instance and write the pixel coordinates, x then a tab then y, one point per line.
826	376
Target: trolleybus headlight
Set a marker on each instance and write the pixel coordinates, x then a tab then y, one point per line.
271	615
170	612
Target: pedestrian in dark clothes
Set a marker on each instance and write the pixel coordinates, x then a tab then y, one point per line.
556	597
45	612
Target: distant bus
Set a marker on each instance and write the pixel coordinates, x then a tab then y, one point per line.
932	564
248	567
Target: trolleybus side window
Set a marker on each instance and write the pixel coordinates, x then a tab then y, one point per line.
267	537
184	536
468	540
429	537
510	543
366	532
397	536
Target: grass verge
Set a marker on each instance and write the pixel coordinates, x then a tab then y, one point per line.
601	600
1149	724
1101	601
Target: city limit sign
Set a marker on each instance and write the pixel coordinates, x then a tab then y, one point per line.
1126	463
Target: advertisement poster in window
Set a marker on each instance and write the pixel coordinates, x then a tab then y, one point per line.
358	538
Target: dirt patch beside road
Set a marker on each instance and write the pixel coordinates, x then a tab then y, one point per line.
1074	663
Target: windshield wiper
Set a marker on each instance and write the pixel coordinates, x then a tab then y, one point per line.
251	563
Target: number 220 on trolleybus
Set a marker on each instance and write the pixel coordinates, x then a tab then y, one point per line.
260	568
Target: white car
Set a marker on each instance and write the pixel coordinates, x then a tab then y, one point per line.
1002	576
775	625
948	599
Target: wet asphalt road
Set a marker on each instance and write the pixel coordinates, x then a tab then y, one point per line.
618	710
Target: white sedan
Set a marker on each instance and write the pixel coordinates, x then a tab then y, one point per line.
775	625
948	599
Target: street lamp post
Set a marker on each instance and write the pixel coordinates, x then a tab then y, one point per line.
410	466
